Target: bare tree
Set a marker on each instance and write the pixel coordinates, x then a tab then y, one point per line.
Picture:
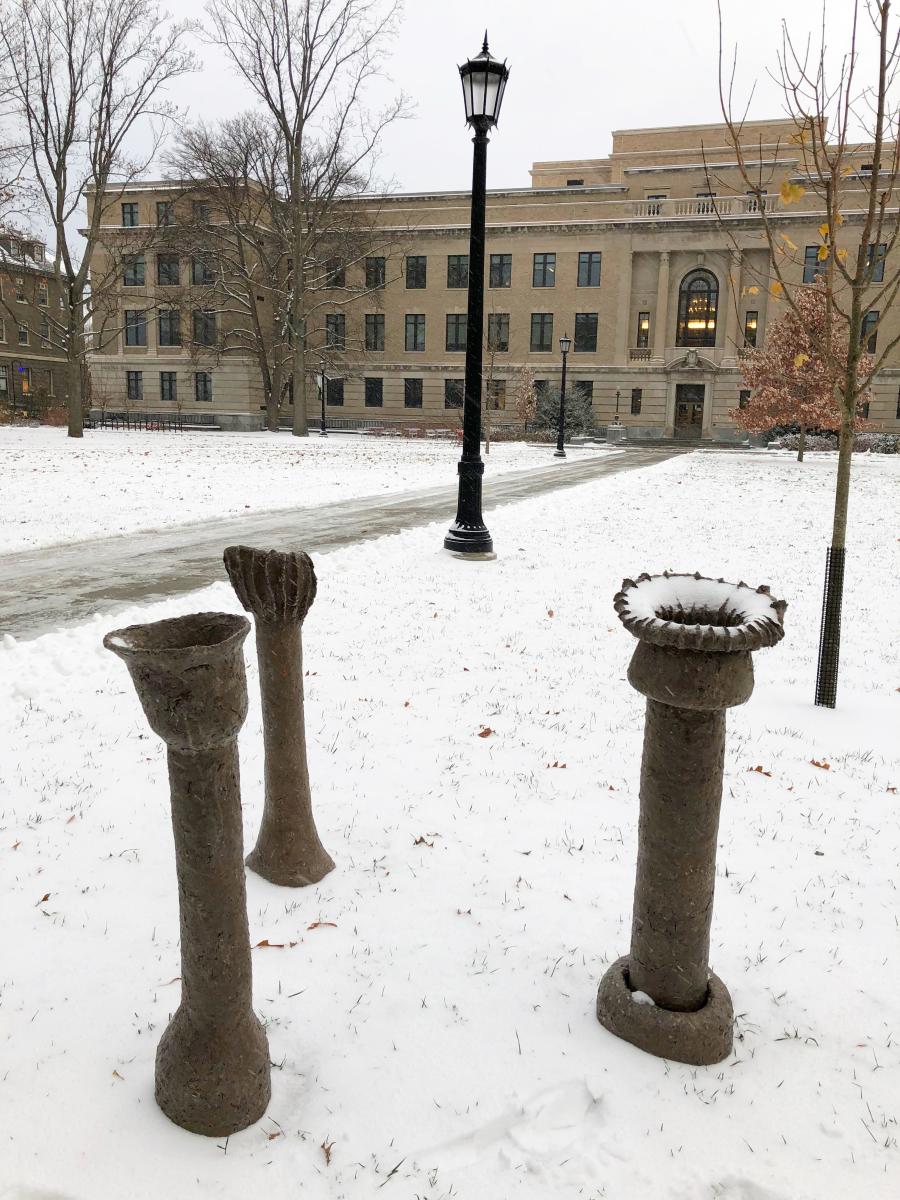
83	83
310	64
844	158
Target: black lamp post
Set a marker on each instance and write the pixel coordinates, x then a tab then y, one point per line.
617	406
565	344
323	432
483	83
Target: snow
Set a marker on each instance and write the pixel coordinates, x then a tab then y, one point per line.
53	489
440	1039
647	596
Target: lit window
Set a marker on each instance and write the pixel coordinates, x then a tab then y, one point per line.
643	330
751	324
698	298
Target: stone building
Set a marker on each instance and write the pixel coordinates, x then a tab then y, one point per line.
32	360
652	259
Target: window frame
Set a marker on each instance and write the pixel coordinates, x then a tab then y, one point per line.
811	264
456	344
642	337
172	322
133	211
544	270
335	331
207	387
137	326
168	259
416	268
457	268
375	275
452	388
751	331
334	392
134	266
414	385
586	261
585	318
539	320
168	379
373	332
414	333
209	319
501	347
373	396
500	268
683	335
877	252
134	377
868	333
637	401
165	211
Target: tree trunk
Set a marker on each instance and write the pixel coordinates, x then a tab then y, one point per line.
833	595
74	369
802	443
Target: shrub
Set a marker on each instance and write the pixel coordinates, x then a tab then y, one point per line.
877	443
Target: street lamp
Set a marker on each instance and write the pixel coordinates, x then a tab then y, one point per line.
565	345
483	83
617	407
323	432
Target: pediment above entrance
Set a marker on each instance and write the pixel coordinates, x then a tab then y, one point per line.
691	360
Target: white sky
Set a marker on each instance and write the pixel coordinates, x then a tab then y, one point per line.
580	68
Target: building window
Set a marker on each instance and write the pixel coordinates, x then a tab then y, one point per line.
498	332
876	255
169	327
335	331
25	380
637	397
751	325
202	386
589	268
374	392
129	215
4	383
202	271
23	335
541	331
334	273
204	327
500	274
334	392
456	331
416	270
21	298
164	212
457	270
43	296
743	397
868	335
168	386
374	331
45	331
415	331
454	393
586	332
496	394
2	329
375	272
654	203
412	393
810	264
134	385
574	183
643	331
134	274
135	327
201	211
698	298
543	273
168	270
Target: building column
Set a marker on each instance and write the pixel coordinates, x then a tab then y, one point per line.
731	347
708	396
661	317
623	326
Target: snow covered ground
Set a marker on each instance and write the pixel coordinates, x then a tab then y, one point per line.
439	1038
114	481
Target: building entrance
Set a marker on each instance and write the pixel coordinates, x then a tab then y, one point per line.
689	409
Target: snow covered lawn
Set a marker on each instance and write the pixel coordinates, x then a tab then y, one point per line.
53	489
439	1039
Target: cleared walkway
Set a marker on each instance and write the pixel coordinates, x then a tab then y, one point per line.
41	589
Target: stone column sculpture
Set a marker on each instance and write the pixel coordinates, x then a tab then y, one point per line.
692	662
279	588
212	1063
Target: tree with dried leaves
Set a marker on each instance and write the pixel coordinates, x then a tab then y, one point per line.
792	382
843	165
523	396
82	88
310	64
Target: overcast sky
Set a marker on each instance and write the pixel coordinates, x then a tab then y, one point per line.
580	69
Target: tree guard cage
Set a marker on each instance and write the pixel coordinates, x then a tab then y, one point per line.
830	630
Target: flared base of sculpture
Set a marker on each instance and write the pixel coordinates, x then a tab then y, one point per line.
290	859
700	1038
209	1083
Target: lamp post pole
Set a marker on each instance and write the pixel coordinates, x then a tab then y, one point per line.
617	406
560	451
484	81
323	432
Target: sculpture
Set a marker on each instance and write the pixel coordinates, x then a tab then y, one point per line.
692	662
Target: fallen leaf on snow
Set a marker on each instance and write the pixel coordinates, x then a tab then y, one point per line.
43	899
118	1076
814	762
326	1150
550	612
421	841
320	925
270	1137
760	771
486	731
265	944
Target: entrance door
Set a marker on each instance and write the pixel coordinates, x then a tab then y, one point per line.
689	409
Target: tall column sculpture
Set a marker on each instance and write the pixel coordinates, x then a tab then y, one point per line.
279	588
212	1063
692	662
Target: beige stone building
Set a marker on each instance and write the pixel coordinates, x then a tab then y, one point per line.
653	260
32	360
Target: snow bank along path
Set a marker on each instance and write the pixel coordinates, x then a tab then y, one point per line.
430	1005
54	489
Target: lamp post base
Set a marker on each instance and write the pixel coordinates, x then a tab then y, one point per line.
701	1038
559	454
467	540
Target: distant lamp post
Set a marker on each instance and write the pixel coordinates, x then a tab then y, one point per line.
483	83
323	432
616	422
565	345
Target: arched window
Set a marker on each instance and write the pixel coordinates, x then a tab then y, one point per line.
698	299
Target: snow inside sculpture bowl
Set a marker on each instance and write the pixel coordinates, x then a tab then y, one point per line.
691	612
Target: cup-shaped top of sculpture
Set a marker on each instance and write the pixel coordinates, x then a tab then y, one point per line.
189	676
274	585
696	636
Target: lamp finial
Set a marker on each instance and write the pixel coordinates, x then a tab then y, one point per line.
484	48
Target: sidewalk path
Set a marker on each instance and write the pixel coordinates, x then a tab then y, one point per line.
41	589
